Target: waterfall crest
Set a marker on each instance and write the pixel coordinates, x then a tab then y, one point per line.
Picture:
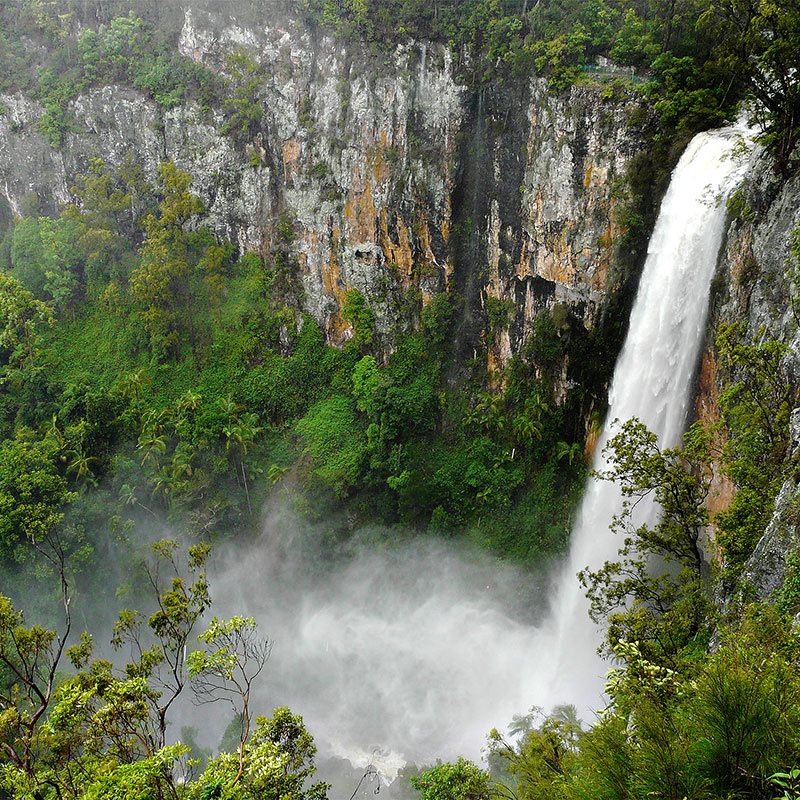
652	381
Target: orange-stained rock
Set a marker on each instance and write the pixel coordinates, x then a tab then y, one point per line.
707	411
291	155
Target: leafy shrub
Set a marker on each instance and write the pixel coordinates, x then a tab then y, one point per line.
334	442
356	311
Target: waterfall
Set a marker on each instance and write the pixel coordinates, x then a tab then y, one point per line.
415	651
652	381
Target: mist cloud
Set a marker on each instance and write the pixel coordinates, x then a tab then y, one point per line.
400	651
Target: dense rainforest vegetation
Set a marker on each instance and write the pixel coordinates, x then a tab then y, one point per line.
152	374
694	59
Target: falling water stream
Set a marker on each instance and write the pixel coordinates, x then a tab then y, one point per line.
652	381
415	651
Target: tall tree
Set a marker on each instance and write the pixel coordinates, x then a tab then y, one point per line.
759	42
161	283
655	594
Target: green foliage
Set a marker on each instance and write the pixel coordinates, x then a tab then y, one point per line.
436	318
21	316
788	598
661	611
33	493
356	311
538	767
163	282
634	45
560	58
44	258
460	781
177	381
544	346
242	107
334	442
139	780
499	314
100	732
537	519
758	43
366	380
233	657
305	118
29	659
106	224
719	729
756	405
161	645
738	208
789	782
62	59
278	762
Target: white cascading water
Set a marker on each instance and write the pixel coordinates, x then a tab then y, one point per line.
415	651
652	381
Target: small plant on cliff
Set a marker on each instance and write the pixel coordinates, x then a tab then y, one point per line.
499	314
789	594
738	207
242	106
356	311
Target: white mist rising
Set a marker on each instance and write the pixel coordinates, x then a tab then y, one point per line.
405	652
415	651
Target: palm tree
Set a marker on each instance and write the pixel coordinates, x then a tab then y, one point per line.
54	433
154	421
275	473
529	425
488	411
190	401
527	428
153	446
80	466
238	435
229	407
153	438
131	383
164	483
572	453
128	496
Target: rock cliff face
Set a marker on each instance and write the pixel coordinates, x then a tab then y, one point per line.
396	179
400	181
556	244
753	287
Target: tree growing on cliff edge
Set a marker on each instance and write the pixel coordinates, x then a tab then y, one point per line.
758	41
177	266
654	594
756	405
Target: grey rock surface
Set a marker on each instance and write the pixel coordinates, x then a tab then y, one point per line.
754	288
369	157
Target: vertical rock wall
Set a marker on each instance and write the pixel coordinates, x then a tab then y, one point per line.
396	179
753	287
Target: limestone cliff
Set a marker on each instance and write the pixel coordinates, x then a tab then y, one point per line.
397	180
